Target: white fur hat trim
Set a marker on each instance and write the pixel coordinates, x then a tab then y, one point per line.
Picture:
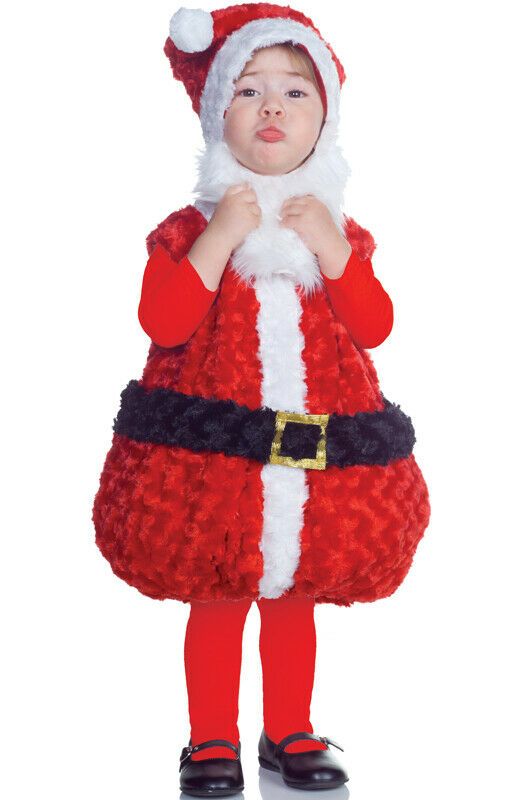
229	62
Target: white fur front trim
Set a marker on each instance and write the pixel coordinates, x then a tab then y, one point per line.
281	343
275	263
285	489
285	493
191	29
236	51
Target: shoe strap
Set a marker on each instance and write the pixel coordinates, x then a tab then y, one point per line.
294	737
326	740
209	743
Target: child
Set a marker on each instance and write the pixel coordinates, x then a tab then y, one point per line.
257	458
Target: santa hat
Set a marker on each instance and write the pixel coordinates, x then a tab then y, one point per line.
208	51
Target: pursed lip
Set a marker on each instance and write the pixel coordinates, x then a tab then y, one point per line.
271	134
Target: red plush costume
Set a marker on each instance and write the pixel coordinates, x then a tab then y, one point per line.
194	504
180	524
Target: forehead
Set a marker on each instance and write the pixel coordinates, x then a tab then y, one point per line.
270	60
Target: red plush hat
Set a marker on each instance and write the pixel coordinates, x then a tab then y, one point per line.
208	51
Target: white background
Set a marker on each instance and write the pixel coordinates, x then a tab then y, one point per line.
424	689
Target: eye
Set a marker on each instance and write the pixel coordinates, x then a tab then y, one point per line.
297	91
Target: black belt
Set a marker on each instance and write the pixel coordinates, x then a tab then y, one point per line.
310	441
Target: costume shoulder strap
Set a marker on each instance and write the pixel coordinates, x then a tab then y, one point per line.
177	232
359	238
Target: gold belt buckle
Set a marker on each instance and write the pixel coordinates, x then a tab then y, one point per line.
281	418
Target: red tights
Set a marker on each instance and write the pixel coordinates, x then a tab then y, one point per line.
213	656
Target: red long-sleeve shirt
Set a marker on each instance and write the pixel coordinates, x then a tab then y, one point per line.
361	302
174	300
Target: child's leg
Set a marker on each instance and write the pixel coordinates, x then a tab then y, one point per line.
213	655
287	652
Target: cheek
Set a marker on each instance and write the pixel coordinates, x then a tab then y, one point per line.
312	124
232	130
307	128
235	123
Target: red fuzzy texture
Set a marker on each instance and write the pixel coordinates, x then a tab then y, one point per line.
183	525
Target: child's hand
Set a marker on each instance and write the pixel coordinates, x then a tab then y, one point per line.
236	214
312	221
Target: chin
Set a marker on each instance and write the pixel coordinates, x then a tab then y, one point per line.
277	166
267	168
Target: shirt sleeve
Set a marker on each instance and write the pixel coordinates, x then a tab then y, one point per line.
174	299
361	302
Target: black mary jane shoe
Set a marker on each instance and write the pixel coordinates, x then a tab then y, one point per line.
211	777
311	769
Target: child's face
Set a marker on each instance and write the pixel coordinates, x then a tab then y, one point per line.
272	97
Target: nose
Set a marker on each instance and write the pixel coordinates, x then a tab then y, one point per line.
271	105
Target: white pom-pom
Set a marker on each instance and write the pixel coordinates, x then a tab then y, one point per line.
191	29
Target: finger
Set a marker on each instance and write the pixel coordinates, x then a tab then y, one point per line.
294	211
248	194
239	187
252	203
297	198
296	207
